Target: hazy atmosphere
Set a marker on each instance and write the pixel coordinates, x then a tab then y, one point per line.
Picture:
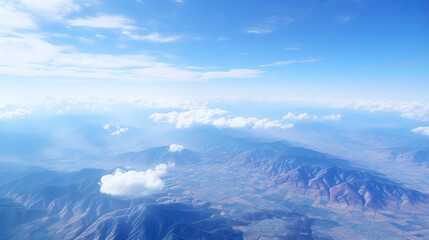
184	119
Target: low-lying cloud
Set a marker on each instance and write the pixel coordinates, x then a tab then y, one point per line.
421	130
115	130
216	117
134	183
176	148
14	113
306	116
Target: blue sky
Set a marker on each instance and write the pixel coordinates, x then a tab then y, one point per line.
298	49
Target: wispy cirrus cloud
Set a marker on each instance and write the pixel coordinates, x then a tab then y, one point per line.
269	24
26	14
280	63
103	21
259	30
216	117
32	56
153	37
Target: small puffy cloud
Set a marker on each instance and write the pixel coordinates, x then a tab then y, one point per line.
175	148
331	117
14	113
294	116
115	130
119	130
103	21
133	183
306	116
421	130
216	117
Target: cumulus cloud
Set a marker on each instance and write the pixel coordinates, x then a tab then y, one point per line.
115	130
176	148
14	113
306	116
421	130
134	183
216	117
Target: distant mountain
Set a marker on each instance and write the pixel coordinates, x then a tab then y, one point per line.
318	175
159	221
54	205
415	156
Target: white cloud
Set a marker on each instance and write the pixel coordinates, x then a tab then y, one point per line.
100	36
293	116
31	55
103	21
26	14
115	130
331	117
309	60
216	117
258	30
234	73
412	110
306	116
292	48
11	18
55	9
119	130
175	148
421	130
133	183
152	37
14	113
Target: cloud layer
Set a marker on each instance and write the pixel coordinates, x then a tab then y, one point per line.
133	183
306	116
14	113
216	117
